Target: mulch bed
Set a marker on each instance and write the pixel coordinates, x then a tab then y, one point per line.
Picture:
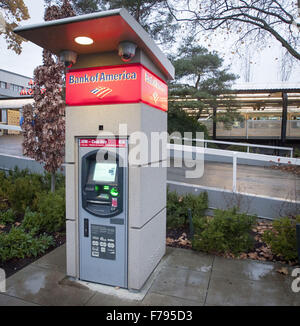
14	265
180	238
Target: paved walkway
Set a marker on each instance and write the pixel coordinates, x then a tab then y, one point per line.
183	278
11	144
256	180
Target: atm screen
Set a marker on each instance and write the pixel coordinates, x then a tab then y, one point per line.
105	172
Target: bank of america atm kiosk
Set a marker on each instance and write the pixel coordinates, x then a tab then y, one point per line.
115	211
103	220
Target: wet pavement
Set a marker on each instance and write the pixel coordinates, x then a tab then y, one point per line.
11	144
183	278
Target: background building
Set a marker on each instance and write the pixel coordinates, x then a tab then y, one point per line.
11	86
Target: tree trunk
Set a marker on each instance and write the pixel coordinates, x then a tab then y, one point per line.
52	182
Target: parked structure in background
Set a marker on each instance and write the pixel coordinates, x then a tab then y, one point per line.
12	87
270	112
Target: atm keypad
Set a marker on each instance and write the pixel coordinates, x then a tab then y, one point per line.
105	237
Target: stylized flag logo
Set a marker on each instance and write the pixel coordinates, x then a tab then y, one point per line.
100	92
155	97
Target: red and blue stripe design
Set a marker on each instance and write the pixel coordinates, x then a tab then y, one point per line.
101	92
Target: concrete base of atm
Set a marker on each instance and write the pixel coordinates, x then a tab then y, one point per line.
125	294
146	248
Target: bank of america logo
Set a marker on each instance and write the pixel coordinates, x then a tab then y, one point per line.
101	92
155	97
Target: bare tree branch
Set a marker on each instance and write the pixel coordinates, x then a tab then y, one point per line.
269	17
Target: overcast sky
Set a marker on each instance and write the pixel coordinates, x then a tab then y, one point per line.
265	65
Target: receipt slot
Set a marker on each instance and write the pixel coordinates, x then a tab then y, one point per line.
103	210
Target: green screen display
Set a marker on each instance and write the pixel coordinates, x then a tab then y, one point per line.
105	172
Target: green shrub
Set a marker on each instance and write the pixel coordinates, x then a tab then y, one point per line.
22	191
32	221
238	148
297	152
59	181
282	239
174	218
19	188
212	145
197	203
227	231
7	217
3	196
49	213
19	244
177	208
17	173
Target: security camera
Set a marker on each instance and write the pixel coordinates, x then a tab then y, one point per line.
127	50
68	58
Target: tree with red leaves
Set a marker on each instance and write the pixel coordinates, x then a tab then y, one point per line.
44	122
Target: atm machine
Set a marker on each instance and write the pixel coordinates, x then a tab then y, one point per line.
115	209
103	222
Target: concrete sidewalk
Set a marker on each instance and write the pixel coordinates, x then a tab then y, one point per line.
183	278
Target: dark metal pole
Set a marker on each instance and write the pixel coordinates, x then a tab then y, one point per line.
284	116
298	240
214	122
191	225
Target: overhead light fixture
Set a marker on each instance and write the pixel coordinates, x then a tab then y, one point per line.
84	40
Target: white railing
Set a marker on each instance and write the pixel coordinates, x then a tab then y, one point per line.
179	149
10	127
207	141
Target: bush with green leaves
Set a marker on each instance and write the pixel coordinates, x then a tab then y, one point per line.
59	181
49	213
237	148
20	244
282	239
227	232
22	191
7	216
177	208
3	198
19	189
17	173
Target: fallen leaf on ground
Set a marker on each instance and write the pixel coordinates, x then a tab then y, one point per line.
265	249
253	255
261	258
17	224
169	240
282	270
